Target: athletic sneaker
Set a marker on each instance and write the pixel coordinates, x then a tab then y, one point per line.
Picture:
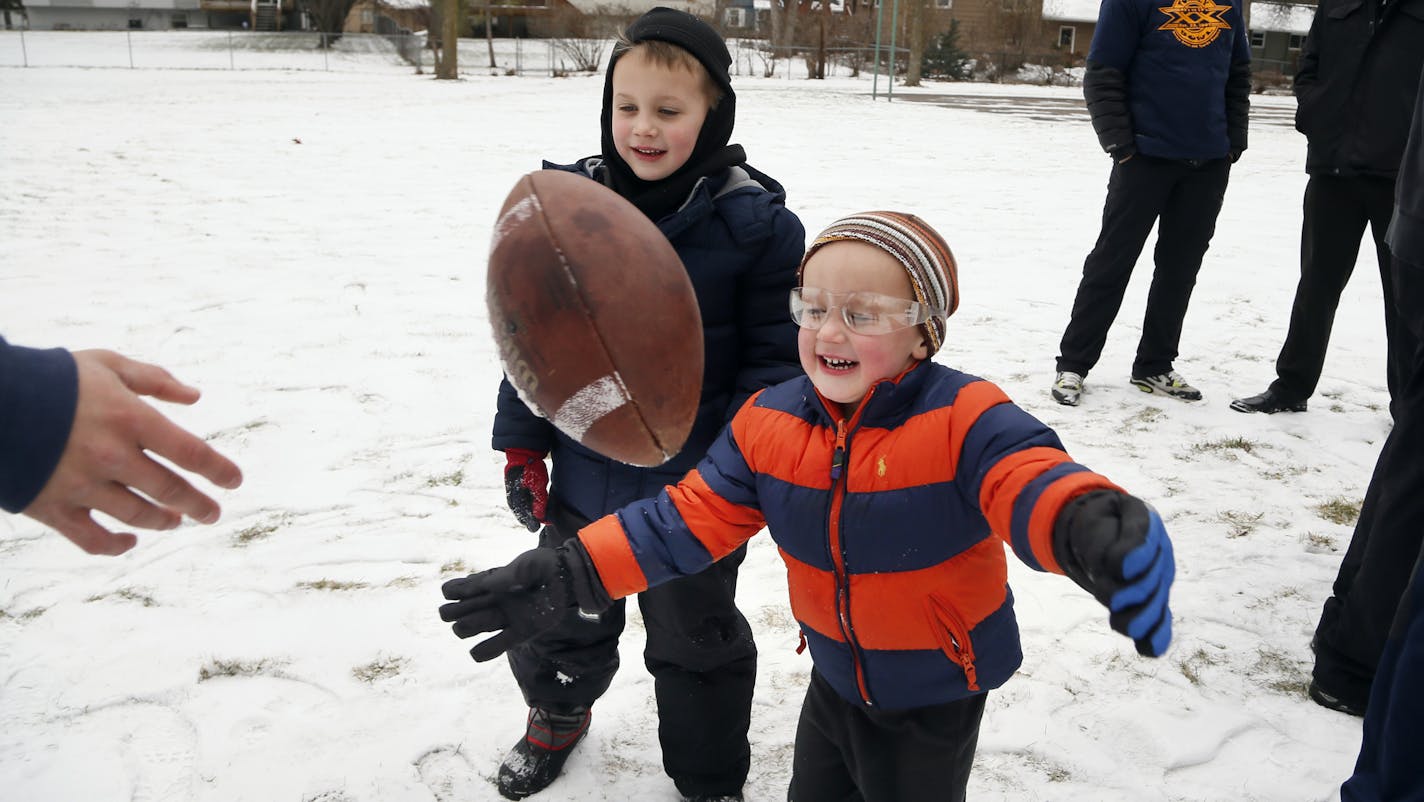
539	756
1169	383
1067	388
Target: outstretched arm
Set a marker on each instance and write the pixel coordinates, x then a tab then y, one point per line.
1116	548
106	467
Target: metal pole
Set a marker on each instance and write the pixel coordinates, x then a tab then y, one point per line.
230	64
129	37
894	23
24	52
879	18
325	60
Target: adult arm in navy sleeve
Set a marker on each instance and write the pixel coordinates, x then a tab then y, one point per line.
766	333
103	461
38	391
1105	81
1238	88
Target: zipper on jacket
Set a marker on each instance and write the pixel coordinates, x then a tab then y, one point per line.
954	639
836	547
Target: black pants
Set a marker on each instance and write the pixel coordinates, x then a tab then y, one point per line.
1390	533
1336	211
699	650
847	754
1183	199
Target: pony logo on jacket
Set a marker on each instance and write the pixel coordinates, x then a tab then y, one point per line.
1195	23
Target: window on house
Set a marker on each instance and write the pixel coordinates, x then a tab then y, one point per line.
1065	36
736	18
1258	38
1296	40
135	24
944	3
180	19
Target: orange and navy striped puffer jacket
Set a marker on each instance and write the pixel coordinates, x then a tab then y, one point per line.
889	524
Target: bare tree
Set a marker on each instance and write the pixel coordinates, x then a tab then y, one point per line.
447	62
914	40
11	5
330	17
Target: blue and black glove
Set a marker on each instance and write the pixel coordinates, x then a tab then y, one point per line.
1116	548
520	600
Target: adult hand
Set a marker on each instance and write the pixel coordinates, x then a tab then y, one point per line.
526	487
1115	547
106	467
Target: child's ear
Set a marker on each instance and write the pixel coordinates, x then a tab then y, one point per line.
922	351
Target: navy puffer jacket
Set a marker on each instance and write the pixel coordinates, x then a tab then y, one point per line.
741	247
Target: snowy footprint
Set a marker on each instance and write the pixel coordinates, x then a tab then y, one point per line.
449	775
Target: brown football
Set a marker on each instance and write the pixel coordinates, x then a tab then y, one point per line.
595	318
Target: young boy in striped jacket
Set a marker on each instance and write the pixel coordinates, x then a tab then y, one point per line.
890	484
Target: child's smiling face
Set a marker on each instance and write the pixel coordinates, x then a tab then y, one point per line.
657	114
844	365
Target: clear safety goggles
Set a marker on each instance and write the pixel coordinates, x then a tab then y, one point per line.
862	312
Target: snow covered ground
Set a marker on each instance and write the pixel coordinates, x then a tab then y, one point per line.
308	247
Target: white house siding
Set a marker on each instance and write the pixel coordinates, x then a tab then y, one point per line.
107	15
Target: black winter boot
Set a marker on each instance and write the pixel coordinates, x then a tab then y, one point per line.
539	756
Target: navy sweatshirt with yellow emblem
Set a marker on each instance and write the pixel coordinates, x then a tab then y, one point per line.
1170	78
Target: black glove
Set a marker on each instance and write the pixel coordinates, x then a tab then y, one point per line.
1116	548
522	599
526	487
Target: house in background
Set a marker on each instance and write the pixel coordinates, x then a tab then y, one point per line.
136	15
1277	34
388	16
1070	24
114	15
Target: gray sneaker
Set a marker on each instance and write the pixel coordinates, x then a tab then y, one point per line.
1067	388
1169	383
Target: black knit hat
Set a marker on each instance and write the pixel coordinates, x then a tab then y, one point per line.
689	33
712	152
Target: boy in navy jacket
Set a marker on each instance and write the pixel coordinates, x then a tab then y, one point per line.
668	111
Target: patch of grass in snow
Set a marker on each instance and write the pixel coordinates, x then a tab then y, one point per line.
255	532
331	584
455	566
380	668
1191	666
1226	445
452	479
233	668
126	594
1238	523
1339	510
1146	415
1316	543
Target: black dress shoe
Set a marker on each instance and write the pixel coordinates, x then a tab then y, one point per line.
1269	402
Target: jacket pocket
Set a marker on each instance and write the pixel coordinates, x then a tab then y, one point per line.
953	637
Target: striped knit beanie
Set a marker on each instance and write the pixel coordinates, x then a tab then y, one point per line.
924	254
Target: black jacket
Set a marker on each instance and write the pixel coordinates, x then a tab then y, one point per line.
1406	231
1355	86
741	246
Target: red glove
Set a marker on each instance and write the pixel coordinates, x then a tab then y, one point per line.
526	486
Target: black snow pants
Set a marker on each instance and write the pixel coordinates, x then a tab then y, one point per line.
1336	211
1355	622
1183	198
699	650
845	753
